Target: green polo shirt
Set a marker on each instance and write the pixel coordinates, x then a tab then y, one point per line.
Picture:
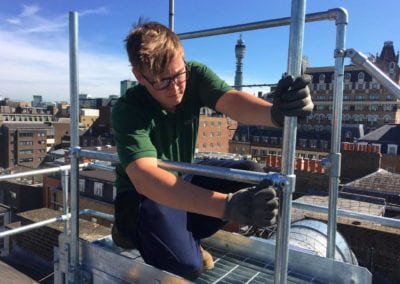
142	128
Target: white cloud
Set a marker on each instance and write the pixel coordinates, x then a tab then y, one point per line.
29	10
97	11
34	56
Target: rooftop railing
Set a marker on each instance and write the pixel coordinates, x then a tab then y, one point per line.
284	181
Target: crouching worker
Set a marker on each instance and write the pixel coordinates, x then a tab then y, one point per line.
159	119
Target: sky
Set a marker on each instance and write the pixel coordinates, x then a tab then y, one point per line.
34	40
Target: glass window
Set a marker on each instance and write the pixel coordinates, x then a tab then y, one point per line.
392	149
81	185
98	189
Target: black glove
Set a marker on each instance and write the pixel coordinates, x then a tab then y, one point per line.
292	98
255	205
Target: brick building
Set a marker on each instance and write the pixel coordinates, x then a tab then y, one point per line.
96	189
23	144
365	100
214	133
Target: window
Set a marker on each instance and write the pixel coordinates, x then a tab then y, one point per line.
377	145
303	142
387	107
391	67
321	78
81	185
274	140
313	143
347	76
114	192
392	149
98	189
386	118
361	76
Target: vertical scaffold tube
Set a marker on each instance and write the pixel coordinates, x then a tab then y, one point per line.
289	145
74	143
334	171
65	190
171	14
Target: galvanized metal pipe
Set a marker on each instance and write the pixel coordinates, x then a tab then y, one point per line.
361	60
295	51
73	272
61	218
34	226
276	179
36	172
171	14
65	190
334	171
391	222
313	17
94	213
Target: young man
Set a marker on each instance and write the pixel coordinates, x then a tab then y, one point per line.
163	215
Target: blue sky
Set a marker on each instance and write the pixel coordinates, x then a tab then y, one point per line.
34	40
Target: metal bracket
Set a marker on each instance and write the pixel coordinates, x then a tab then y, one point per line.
74	151
278	180
86	277
332	164
339	52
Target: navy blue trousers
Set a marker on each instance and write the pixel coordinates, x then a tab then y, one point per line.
169	239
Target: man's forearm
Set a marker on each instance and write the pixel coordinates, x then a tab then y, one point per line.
163	187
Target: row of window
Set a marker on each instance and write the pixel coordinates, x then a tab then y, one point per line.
97	188
213	134
347	86
371	97
360	75
212	123
367	107
212	145
320	117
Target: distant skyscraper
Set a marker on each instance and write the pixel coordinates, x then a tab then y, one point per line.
239	53
37	101
125	85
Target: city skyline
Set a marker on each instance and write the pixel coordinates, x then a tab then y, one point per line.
34	41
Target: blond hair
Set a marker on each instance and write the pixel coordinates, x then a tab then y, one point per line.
152	46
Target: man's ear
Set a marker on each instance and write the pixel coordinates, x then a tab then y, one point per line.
139	77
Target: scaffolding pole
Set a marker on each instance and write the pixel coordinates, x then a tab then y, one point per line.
73	269
295	51
335	155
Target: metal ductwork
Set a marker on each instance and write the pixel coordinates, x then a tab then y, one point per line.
311	235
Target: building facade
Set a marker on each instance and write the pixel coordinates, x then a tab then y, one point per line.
365	100
23	144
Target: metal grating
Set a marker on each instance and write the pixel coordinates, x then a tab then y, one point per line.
237	259
232	268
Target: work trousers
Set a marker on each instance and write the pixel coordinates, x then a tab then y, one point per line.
169	238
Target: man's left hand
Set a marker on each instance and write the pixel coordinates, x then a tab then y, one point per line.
292	98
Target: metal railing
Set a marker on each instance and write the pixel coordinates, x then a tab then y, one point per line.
284	182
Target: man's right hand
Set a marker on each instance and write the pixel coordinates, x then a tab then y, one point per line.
255	205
